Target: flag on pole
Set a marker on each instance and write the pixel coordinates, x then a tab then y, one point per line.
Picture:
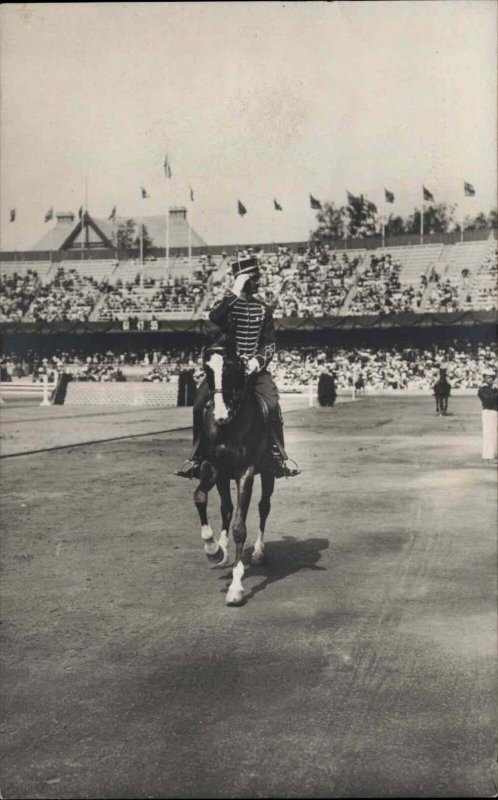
12	215
191	194
468	189
80	212
144	192
241	208
276	205
314	203
112	215
49	215
389	196
428	195
351	198
167	168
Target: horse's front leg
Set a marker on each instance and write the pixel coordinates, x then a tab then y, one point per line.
235	594
267	486
213	551
226	509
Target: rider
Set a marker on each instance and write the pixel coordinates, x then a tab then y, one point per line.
243	316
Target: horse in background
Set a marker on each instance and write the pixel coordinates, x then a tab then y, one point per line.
442	390
235	437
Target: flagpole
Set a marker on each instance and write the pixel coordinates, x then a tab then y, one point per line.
190	230
384	225
85	220
115	233
422	220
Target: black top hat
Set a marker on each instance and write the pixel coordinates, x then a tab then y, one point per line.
245	265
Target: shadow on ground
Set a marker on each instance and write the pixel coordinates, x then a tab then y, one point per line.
283	558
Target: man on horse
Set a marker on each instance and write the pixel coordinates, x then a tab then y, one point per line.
246	322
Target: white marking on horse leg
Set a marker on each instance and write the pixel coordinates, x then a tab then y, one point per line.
223	543
235	592
210	546
216	364
258	554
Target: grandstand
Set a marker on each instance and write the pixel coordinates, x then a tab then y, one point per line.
429	277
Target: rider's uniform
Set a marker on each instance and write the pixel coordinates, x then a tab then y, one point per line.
250	322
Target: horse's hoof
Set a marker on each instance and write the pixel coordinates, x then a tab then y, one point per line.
217	558
235	597
257	559
222	563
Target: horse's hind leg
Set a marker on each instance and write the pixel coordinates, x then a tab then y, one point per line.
235	594
226	509
213	551
267	486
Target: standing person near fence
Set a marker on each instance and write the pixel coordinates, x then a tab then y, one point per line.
488	395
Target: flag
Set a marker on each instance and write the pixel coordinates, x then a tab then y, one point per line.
80	212
351	198
241	208
428	195
468	189
112	215
276	205
389	196
167	168
191	194
12	215
314	203
145	193
49	215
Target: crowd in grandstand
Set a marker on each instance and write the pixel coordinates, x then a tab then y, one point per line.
444	296
17	292
379	290
316	281
379	368
151	297
69	296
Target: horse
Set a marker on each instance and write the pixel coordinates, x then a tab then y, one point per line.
442	389
235	437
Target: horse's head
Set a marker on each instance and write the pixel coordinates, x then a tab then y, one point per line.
225	374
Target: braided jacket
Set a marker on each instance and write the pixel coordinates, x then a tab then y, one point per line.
249	322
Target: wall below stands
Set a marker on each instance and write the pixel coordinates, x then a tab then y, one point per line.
122	394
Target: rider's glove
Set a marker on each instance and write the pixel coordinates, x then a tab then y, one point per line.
239	283
253	365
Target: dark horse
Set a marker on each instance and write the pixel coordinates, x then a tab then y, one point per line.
442	389
234	443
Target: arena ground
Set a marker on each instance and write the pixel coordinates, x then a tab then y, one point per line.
362	664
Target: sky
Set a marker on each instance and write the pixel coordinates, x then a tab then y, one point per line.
251	101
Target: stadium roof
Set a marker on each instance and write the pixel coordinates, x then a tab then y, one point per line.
66	233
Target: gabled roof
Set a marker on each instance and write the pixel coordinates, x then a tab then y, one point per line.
67	234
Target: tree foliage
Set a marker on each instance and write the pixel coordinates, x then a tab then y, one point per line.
147	241
126	235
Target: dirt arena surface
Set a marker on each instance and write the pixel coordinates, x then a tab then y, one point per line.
363	663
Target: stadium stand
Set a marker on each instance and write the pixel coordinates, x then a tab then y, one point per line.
69	296
16	294
482	291
294	368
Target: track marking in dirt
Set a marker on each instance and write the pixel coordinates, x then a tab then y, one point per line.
93	441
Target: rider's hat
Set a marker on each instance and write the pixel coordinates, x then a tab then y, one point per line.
247	265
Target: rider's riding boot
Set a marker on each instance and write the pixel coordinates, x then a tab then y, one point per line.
191	468
281	466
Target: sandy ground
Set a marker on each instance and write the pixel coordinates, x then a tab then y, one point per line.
362	664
